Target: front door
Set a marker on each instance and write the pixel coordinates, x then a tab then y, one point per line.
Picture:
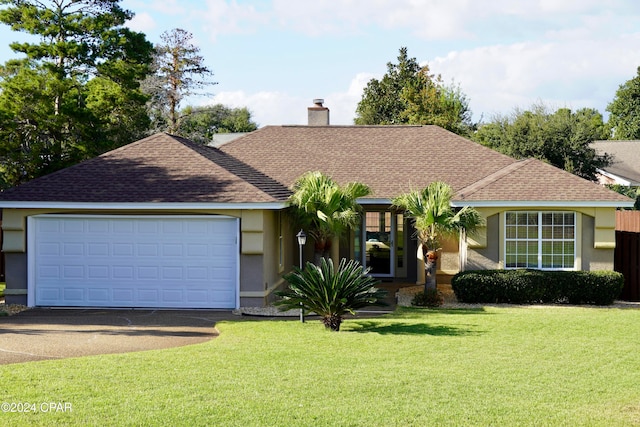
380	242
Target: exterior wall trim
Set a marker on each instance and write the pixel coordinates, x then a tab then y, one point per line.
141	206
542	204
262	294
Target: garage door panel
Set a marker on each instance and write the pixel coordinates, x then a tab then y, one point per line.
69	226
132	262
98	294
99	226
122	227
97	249
70	272
124	296
122	249
74	294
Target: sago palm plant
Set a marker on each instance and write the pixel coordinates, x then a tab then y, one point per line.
435	219
331	293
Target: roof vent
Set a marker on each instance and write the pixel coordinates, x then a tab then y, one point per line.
318	115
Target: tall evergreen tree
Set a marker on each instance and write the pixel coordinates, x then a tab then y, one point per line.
75	92
179	71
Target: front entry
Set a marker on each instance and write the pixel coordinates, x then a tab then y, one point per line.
380	242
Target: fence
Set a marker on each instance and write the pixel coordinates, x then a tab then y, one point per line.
628	221
627	262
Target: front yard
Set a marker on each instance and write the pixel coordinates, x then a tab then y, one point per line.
493	366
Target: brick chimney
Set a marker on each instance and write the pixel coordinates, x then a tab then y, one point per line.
318	115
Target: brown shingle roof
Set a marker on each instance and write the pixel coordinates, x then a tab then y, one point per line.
261	166
390	159
532	180
160	168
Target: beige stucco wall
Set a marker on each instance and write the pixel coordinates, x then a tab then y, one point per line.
275	260
594	258
595	239
260	268
483	250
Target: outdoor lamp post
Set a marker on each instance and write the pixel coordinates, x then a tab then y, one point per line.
302	239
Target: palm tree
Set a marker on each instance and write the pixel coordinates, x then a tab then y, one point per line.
325	209
434	219
331	293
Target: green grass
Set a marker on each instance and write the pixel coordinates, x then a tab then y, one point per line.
558	366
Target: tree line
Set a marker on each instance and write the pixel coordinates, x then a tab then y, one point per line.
410	94
88	84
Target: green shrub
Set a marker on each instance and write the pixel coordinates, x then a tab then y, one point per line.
330	293
536	286
430	298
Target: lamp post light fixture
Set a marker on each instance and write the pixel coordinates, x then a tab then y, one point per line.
302	240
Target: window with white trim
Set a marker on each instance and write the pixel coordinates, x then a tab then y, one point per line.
541	240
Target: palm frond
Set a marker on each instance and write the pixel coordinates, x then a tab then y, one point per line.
433	215
328	292
324	208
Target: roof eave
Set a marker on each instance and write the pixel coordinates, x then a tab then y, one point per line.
620	179
140	205
366	201
541	204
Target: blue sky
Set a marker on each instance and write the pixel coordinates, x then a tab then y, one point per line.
276	56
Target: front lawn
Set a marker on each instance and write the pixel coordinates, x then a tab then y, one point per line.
493	366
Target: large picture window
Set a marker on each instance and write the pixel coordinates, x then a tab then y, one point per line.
541	240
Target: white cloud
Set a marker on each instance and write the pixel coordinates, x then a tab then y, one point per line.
169	7
429	19
229	17
424	19
267	108
580	72
570	52
278	108
142	22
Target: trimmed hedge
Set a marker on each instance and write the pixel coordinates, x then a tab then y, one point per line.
536	286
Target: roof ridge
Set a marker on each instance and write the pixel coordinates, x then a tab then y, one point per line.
237	167
491	178
350	126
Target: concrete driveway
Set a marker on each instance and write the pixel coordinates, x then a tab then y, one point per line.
41	334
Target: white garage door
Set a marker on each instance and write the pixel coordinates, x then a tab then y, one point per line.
133	261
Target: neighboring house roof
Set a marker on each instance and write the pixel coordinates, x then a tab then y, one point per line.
261	166
626	159
160	168
219	139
